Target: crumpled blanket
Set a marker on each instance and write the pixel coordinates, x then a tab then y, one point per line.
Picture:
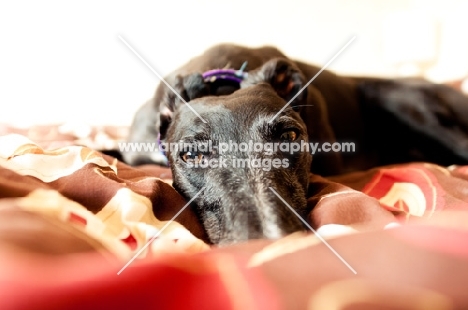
402	231
106	199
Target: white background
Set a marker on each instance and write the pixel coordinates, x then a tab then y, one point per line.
62	61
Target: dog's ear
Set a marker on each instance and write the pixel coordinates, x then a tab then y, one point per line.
194	86
188	87
284	76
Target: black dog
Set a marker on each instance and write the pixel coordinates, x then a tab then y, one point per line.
388	121
236	202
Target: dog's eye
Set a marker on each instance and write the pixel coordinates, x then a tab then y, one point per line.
192	157
289	135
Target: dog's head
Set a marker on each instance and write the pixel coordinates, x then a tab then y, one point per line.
234	154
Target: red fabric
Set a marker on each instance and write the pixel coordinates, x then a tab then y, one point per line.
437	239
213	281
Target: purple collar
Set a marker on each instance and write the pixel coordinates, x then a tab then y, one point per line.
226	74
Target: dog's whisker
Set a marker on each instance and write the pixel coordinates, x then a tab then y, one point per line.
297	106
303	105
289	108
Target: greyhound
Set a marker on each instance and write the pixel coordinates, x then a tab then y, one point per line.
265	101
